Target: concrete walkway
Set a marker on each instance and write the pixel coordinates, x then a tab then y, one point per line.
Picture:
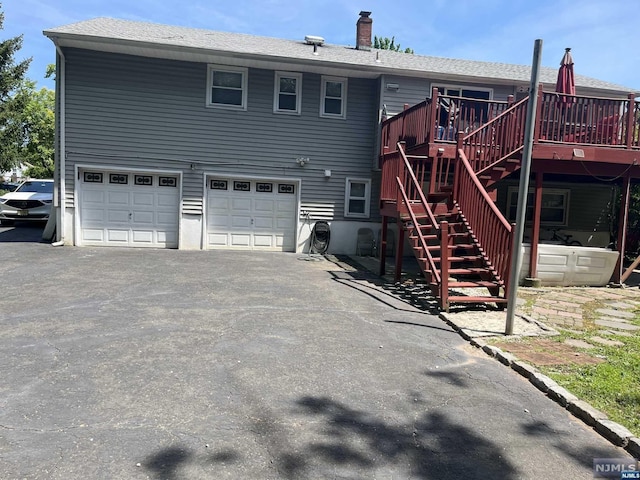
539	311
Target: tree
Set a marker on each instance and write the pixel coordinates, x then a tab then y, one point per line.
38	120
384	43
11	105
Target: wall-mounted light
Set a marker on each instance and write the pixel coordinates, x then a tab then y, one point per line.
393	86
327	173
302	161
578	153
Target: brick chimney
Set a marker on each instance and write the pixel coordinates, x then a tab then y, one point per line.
363	31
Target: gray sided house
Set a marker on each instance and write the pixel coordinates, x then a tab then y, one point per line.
194	139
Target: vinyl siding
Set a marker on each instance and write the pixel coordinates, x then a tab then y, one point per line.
589	204
150	114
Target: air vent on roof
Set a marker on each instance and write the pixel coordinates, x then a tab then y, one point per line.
313	40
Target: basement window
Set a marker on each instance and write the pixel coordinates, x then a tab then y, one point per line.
227	87
555	206
357	198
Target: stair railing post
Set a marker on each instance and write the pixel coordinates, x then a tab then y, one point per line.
444	265
404	118
512	244
383	246
432	135
400	173
538	118
456	176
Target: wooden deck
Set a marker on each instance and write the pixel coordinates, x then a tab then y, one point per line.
442	159
590	129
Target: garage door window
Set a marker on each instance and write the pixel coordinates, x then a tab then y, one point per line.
168	181
286	188
143	180
118	178
219	184
264	187
92	177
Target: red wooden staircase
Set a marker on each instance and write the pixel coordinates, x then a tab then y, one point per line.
447	248
459	237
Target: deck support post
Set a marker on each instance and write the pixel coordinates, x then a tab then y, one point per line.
444	266
630	120
383	246
535	233
623	218
397	275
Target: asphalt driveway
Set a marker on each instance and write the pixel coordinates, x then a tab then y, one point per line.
134	364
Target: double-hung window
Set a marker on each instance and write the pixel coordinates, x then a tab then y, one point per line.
555	205
227	87
333	97
287	97
357	198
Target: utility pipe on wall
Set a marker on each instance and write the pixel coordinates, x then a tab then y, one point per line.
60	112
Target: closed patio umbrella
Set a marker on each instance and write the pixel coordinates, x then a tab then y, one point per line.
566	83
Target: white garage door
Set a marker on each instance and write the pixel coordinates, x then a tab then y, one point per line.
129	209
251	214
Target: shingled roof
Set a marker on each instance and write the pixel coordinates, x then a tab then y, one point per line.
105	31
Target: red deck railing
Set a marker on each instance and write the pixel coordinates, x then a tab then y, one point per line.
497	139
588	120
493	128
437	119
492	231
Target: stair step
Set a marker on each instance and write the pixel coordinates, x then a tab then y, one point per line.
465	299
463	258
472	284
467	271
436	237
431	197
451	247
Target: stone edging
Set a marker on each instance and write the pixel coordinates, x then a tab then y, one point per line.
612	431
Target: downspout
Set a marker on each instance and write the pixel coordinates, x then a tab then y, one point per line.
62	150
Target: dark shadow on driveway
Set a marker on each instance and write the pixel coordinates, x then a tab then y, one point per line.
389	293
166	464
25	232
432	447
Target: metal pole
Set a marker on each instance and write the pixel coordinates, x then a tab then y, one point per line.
516	255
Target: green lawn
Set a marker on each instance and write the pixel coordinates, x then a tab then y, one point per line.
613	386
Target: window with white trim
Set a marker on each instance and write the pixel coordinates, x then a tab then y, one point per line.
357	198
555	206
287	96
465	91
227	87
333	97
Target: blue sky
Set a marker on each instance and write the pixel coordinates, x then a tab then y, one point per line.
602	33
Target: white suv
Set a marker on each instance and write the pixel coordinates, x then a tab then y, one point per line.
30	201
